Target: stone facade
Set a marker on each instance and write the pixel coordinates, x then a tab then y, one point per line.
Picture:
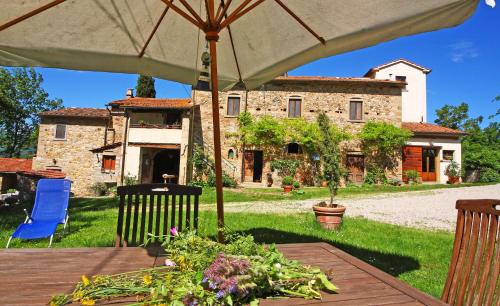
381	102
72	155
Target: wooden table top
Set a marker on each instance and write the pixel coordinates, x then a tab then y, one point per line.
32	276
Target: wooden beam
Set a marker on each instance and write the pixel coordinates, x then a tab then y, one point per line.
141	54
234	13
192	11
184	14
224	11
30	14
289	11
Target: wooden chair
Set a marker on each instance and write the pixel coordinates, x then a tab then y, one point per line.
475	262
144	209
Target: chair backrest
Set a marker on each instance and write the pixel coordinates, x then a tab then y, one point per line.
51	199
144	209
475	262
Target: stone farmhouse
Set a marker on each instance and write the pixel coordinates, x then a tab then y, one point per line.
146	138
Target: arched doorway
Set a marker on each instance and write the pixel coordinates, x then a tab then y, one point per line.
166	162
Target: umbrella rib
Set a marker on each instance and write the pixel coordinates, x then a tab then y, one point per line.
210	15
232	43
192	11
183	14
30	14
141	54
242	12
224	11
233	14
291	13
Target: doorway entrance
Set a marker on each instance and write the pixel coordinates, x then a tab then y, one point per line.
355	165
166	162
429	164
253	161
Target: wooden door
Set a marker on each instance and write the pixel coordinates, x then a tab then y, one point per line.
355	165
429	165
412	160
248	160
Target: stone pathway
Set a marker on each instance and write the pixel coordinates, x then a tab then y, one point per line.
433	209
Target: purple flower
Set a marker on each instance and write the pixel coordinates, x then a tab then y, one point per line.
174	231
190	300
220	294
228	275
170	263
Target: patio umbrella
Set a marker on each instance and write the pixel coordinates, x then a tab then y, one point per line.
257	40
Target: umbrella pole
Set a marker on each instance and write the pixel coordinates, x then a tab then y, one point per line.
212	38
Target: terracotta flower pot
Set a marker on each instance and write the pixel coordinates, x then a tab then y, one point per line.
287	188
329	217
324	183
453	179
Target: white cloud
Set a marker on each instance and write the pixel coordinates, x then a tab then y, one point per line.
463	50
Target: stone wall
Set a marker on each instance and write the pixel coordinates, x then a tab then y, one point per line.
381	102
72	155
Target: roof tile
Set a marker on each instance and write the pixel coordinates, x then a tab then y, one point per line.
51	174
429	128
15	164
337	79
78	112
139	102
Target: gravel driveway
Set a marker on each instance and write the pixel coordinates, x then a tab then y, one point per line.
433	209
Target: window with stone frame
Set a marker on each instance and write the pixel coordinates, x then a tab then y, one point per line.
294	107
401	78
60	132
293	148
233	106
108	163
356	109
448	154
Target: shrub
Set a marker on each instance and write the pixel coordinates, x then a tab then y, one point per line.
11	190
285	167
296	185
489	176
99	189
453	169
412	175
227	181
287	181
129	180
375	175
394	181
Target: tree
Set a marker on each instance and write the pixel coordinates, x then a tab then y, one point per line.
330	153
145	87
382	144
451	116
21	98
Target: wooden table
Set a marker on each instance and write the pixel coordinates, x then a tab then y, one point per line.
32	276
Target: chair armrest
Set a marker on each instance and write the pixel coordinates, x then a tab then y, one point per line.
28	217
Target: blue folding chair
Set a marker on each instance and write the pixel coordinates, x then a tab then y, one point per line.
50	209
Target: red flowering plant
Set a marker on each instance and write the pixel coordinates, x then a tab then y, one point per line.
200	271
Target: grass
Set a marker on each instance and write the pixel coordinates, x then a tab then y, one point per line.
418	257
276	194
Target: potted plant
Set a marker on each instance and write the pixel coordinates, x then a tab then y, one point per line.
453	172
330	215
411	176
287	184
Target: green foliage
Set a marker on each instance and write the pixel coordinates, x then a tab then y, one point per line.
11	190
329	147
21	100
305	133
382	144
374	176
129	180
145	87
204	173
481	146
287	181
285	167
296	185
412	175
265	132
453	169
99	189
489	176
227	181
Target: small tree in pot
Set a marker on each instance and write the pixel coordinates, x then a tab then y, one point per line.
329	215
453	172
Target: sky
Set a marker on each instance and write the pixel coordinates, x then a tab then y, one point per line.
465	63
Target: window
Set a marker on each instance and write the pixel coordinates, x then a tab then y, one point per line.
448	154
293	148
356	110
294	107
401	78
108	163
230	154
60	131
233	106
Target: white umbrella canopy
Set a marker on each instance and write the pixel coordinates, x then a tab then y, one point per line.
257	40
109	35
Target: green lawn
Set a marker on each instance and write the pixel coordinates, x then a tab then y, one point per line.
276	194
418	257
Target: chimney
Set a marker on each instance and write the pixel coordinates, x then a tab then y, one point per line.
130	93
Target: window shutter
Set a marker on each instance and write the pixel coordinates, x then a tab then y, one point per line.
294	106
60	131
233	106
